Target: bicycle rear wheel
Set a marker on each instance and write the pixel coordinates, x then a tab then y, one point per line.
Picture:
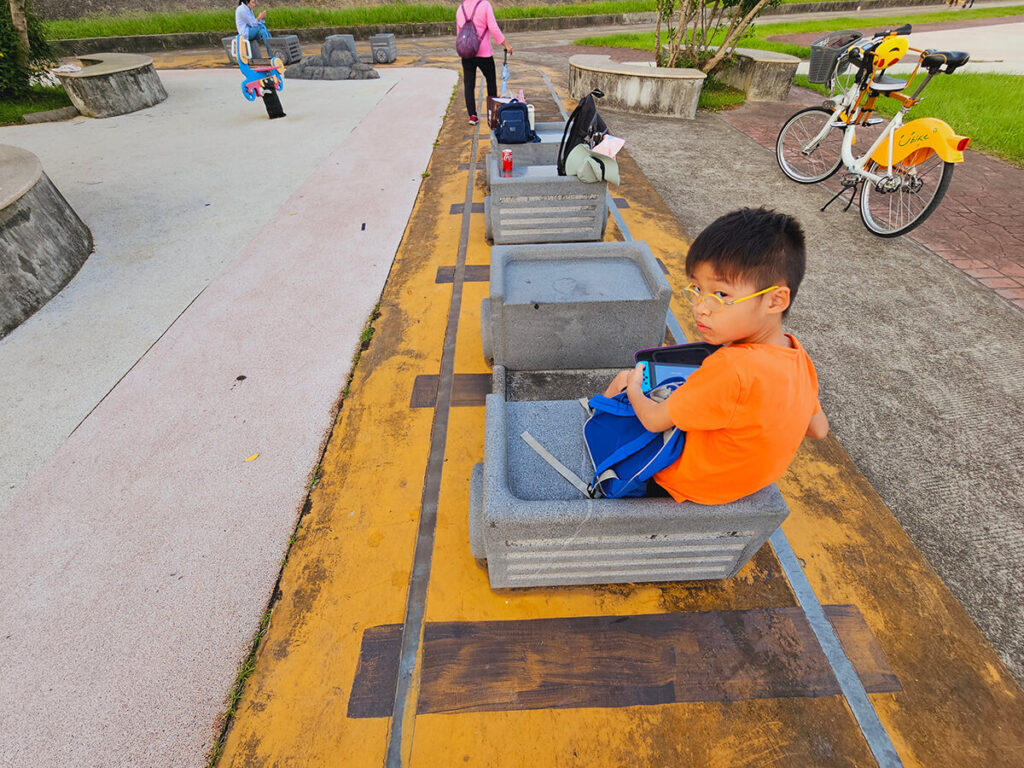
799	157
919	191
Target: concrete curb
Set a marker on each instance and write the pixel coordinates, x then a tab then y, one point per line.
52	115
182	41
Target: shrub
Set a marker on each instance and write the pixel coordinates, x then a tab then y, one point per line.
15	78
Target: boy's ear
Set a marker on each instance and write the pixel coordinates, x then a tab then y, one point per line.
778	300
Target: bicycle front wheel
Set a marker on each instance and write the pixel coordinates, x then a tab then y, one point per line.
801	157
895	207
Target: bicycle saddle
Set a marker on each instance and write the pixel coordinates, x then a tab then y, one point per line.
933	60
886	83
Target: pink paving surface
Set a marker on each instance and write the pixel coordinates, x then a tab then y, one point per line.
977	228
147	546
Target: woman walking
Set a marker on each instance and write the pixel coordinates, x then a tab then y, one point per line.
480	14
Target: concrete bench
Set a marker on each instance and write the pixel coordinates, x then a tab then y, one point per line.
761	75
536	530
535	205
112	84
543	152
43	243
636	87
573	305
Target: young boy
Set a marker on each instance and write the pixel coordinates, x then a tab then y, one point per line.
748	406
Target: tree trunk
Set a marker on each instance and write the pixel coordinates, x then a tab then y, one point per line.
733	37
22	50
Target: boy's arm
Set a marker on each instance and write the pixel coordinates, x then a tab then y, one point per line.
818	427
654	416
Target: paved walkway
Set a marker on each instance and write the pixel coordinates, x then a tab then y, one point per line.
163	414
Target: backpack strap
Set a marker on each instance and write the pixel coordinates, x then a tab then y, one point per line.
556	465
610	405
472	15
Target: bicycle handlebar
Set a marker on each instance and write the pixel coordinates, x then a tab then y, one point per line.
904	30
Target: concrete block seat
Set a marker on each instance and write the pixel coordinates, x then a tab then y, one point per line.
533	204
636	87
573	305
383	48
43	242
761	75
112	84
543	152
536	530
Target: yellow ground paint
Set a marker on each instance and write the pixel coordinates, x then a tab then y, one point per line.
958	706
746	734
350	566
350	571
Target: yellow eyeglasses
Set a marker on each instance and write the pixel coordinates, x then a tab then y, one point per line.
714	302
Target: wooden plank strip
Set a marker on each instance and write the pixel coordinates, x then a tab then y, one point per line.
456	209
468	390
373	690
621	661
475	273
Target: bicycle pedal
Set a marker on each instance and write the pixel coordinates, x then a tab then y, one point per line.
874	120
837	124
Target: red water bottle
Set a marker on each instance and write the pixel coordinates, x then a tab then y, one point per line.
506	161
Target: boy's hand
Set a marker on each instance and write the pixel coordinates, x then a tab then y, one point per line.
618	384
635	377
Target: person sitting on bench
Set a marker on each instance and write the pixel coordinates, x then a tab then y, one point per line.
250	26
753	400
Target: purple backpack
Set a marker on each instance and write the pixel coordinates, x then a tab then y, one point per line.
467	44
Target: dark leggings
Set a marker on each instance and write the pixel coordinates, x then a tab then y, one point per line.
469	66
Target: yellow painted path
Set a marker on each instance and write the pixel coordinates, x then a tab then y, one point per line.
945	700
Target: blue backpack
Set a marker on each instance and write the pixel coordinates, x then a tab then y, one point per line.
513	124
625	455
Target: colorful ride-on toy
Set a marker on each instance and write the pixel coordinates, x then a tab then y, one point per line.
258	73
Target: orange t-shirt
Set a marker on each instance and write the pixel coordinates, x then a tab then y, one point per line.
744	411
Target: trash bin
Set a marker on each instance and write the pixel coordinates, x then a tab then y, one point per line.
826	52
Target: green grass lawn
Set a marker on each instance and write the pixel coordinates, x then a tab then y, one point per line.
757	36
299	18
978	105
974	104
39	99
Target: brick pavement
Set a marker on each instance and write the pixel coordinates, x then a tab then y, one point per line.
978	227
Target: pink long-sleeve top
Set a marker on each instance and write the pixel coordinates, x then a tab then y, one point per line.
483	19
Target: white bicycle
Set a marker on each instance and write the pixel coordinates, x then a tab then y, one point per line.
904	174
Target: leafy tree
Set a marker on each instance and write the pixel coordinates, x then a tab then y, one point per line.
692	26
24	51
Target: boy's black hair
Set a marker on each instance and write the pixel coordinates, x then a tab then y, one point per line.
754	244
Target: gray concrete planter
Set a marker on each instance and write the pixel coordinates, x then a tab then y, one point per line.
112	84
543	152
641	88
533	204
43	243
573	305
761	75
536	530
